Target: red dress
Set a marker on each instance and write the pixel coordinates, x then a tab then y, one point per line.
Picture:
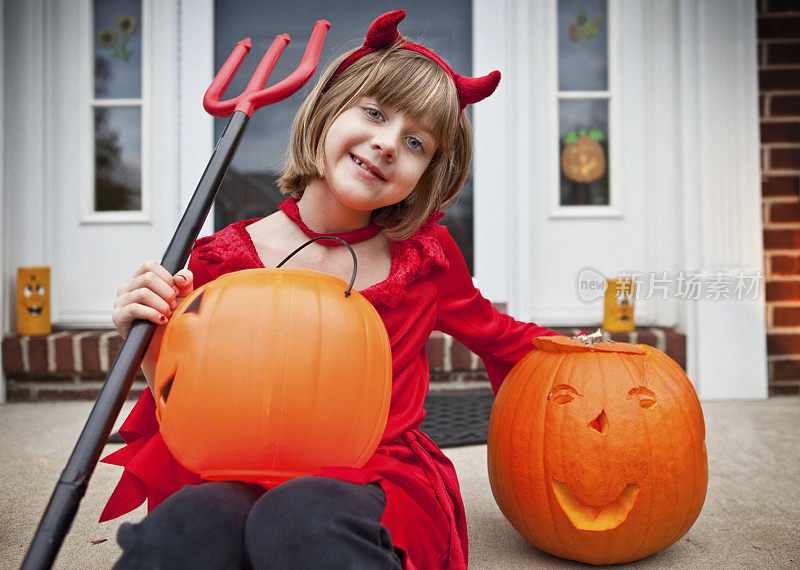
428	288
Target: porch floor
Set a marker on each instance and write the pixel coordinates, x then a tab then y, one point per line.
751	517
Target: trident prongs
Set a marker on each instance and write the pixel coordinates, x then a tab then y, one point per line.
255	96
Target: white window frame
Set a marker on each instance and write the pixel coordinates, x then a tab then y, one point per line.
612	210
87	191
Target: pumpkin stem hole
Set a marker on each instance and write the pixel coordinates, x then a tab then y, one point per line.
600	423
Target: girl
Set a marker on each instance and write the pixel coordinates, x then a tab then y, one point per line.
378	148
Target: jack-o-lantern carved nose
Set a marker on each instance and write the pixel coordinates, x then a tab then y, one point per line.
600	423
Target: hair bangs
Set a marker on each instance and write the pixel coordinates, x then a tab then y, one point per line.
418	87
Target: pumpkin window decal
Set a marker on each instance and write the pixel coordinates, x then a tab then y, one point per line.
596	452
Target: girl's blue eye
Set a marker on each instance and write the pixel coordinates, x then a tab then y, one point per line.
415	143
374	113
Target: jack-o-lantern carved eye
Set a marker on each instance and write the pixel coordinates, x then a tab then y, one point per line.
195	306
645	396
562	394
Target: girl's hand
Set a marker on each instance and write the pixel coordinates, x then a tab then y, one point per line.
150	294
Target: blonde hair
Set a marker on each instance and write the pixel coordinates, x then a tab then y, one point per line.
413	84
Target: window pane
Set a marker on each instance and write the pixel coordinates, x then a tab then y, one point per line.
249	189
582	45
584	151
118	158
117	49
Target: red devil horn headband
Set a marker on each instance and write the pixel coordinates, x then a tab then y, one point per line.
383	33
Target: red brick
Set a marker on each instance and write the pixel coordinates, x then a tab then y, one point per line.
784	212
780	186
12	354
783	343
114	345
775	28
37	353
434	347
784	369
36	379
785	264
17	393
773	6
66	394
778	80
783	290
784	158
784	105
784	390
783	53
785	316
781	239
646	336
92	377
90	353
676	347
783	132
65	360
460	356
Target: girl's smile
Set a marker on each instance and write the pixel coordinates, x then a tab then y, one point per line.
369	169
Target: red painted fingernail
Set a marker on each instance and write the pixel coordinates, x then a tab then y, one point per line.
163	319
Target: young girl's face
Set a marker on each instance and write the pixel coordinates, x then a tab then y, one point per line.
374	155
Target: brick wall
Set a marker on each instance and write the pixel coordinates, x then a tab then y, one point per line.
73	364
779	89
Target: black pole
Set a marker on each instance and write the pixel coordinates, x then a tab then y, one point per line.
71	486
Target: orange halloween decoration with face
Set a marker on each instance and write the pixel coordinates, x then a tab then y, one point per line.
583	161
618	307
269	374
596	453
33	301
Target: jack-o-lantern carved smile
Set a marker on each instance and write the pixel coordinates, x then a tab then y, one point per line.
596	452
589	517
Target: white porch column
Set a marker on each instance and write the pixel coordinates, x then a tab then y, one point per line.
720	191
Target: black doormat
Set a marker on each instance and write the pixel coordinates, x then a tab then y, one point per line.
454	420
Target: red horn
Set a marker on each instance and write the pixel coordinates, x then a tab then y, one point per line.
474	89
383	31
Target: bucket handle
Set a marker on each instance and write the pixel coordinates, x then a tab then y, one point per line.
344	243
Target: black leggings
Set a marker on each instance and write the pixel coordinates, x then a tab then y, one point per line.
310	522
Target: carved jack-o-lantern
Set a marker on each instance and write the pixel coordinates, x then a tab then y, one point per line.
596	453
33	301
269	374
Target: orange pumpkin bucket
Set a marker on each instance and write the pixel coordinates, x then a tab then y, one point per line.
597	453
270	374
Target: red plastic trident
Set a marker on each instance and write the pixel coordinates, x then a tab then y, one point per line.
69	490
254	95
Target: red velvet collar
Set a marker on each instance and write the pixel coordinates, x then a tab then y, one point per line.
289	207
